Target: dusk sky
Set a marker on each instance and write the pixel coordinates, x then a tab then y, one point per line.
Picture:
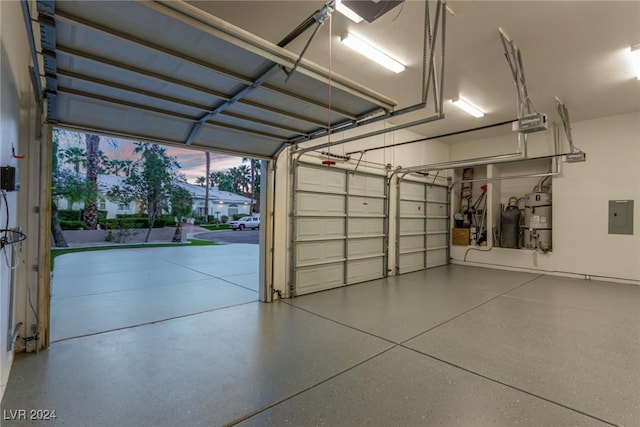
192	161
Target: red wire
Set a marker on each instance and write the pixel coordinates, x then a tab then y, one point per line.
14	155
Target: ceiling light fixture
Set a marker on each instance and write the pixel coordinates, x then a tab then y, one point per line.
373	53
467	107
635	57
348	12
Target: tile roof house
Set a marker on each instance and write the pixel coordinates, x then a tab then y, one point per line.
221	203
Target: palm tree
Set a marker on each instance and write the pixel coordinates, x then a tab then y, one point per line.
75	156
254	166
103	162
127	166
201	180
222	180
93	163
207	185
240	176
113	166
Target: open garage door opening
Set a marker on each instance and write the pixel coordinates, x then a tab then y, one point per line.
143	233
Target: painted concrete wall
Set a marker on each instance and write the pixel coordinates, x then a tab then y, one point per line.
16	109
581	243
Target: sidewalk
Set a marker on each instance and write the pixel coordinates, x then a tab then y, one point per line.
189	230
85	238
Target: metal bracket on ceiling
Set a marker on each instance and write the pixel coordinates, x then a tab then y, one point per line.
264	75
563	112
433	79
320	17
514	59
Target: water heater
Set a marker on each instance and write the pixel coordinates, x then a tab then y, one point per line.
537	226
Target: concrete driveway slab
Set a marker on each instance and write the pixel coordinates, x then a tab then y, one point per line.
98	291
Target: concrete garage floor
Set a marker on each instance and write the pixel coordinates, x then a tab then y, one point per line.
448	346
102	291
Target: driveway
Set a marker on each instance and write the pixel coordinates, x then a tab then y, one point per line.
99	291
230	236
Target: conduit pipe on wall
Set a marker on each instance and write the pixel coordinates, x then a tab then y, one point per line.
431	138
555	156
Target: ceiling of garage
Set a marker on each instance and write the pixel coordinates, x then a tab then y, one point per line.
153	69
577	51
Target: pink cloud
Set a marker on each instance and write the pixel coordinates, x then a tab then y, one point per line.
191	161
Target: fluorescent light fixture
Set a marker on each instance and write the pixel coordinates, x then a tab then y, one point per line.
373	53
348	12
635	57
468	107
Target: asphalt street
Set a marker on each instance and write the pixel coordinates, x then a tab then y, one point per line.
230	236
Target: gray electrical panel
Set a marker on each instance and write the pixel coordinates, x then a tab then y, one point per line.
620	216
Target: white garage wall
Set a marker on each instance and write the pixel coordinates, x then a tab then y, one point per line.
581	243
16	104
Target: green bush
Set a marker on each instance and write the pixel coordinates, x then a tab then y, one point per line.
71	225
120	223
168	219
69	215
224	219
102	215
160	222
137	215
238	216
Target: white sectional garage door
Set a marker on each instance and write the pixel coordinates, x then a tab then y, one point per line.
422	226
339	221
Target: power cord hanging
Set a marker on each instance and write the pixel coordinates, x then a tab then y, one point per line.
10	237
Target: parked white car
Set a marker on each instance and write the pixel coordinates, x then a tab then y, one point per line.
252	222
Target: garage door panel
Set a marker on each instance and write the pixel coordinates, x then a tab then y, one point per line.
87	107
412	225
318	278
320	204
437	240
359	206
363	270
321	239
437	224
411	243
422	242
411	262
437	209
321	180
365	185
168	49
312	228
214	137
436	258
320	252
127	96
411	208
411	190
361	227
437	193
365	247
